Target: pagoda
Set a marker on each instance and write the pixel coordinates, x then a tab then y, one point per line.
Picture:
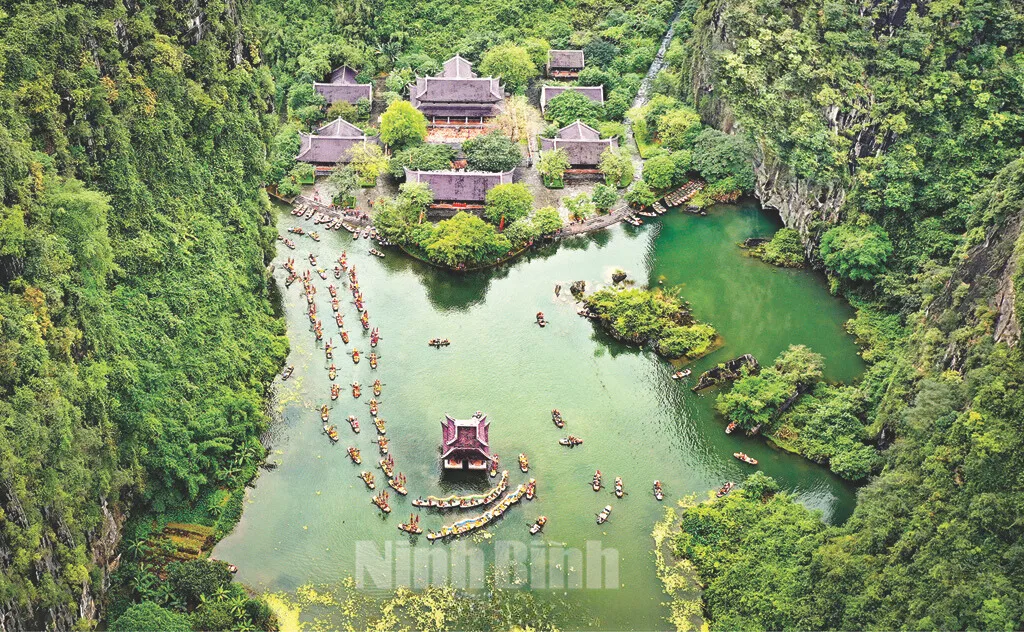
465	444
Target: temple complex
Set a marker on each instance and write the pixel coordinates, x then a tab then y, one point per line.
465	443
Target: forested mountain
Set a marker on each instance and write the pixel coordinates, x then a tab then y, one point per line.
137	332
890	134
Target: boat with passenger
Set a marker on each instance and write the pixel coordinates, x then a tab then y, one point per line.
658	494
332	372
538	525
287	373
335	391
331	432
524	463
531	489
387	464
324	413
333	291
377	387
381	428
322	273
337	272
470	524
618	486
596	483
357	390
355	356
373	360
376	253
571	441
678	375
344	336
745	458
540	319
312	259
373	407
374	336
493	471
382	443
437	343
556	417
465	502
353	453
398	484
605	513
381	500
352	421
368	479
411	527
732	426
725	489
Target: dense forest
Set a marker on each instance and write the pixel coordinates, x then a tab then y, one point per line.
139	334
890	135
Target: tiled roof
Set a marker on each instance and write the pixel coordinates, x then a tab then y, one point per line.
462	435
459	186
331	143
565	59
341	86
457	91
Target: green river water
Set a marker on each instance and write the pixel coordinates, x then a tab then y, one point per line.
303	519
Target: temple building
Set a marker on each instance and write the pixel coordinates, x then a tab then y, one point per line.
465	444
594	93
341	85
331	143
582	144
459	189
565	64
457	95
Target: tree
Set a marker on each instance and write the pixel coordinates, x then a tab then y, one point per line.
553	165
426	157
344	180
580	206
720	156
464	239
600	52
605	197
520	232
510	62
195	578
344	110
572	106
402	125
514	121
492	152
508	203
146	616
678	128
538	49
617	167
641	195
594	76
368	160
856	252
547	220
659	172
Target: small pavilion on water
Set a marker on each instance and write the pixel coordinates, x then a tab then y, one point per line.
465	444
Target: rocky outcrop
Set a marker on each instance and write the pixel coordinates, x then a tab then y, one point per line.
728	371
799	202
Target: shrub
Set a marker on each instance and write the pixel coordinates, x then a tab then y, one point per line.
785	249
147	616
572	106
604	197
856	253
492	152
402	125
508	203
510	62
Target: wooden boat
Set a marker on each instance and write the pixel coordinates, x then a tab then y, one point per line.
725	489
298	230
379	422
331	432
398	484
470	524
755	430
344	335
312	259
373	407
465	502
537	526
333	291
324	414
332	372
356	390
353	453
322	273
366	234
288	281
377	387
329	349
337	272
524	463
340	322
374	337
531	489
365	320
746	459
355	356
343	259
290	244
376	253
605	513
596	483
335	391
618	486
352	421
318	332
388	465
437	343
556	417
413	526
658	494
315	236
287	373
373	360
540	319
732	426
382	443
494	466
381	500
571	441
368	479
334	304
678	375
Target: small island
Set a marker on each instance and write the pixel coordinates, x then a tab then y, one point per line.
656	318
